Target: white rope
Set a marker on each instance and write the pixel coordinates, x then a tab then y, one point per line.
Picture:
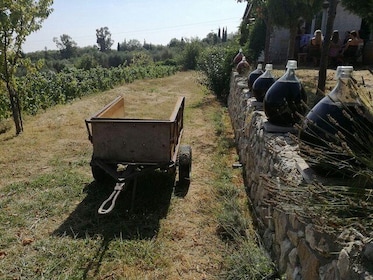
113	197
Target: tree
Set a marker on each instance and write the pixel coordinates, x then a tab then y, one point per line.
362	8
66	45
104	41
211	38
18	19
175	43
325	49
225	35
261	12
287	13
284	13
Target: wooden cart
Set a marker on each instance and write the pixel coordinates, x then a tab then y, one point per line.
124	148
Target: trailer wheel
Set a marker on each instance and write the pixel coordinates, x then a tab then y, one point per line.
185	166
100	175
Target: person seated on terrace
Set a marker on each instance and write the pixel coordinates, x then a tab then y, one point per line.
314	47
350	49
335	49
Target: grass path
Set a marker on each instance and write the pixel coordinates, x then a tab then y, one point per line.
49	226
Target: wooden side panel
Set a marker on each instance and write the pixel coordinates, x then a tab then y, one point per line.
118	139
138	142
177	119
113	110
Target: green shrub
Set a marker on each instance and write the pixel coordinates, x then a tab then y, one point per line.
216	63
256	41
190	55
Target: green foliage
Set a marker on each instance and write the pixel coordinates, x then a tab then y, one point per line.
18	19
190	55
40	90
257	39
361	8
287	13
216	63
86	62
66	45
246	259
249	261
104	41
142	59
131	45
4	105
244	32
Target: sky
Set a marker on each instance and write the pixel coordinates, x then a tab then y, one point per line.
155	22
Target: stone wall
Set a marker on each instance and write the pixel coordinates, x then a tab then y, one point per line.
298	248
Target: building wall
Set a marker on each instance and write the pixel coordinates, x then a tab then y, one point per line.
344	22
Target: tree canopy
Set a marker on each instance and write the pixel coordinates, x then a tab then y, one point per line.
104	41
287	13
18	19
361	8
66	45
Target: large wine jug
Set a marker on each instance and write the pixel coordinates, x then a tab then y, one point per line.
237	59
254	75
285	101
263	83
339	120
243	66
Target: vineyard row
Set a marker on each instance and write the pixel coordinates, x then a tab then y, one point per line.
40	90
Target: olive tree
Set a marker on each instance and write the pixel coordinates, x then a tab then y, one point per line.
18	19
66	45
104	41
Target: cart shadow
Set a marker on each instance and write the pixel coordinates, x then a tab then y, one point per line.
134	217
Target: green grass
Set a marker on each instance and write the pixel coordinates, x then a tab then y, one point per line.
245	258
49	229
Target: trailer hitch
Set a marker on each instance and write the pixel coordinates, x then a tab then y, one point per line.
111	199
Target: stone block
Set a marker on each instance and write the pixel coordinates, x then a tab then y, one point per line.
329	271
343	265
309	262
272	128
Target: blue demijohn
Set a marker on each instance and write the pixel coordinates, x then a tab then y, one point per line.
337	118
286	99
254	75
263	83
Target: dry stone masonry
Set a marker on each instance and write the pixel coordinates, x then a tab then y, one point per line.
299	248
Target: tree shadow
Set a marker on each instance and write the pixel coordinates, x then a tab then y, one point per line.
135	216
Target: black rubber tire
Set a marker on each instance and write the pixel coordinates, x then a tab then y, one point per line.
185	166
100	175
